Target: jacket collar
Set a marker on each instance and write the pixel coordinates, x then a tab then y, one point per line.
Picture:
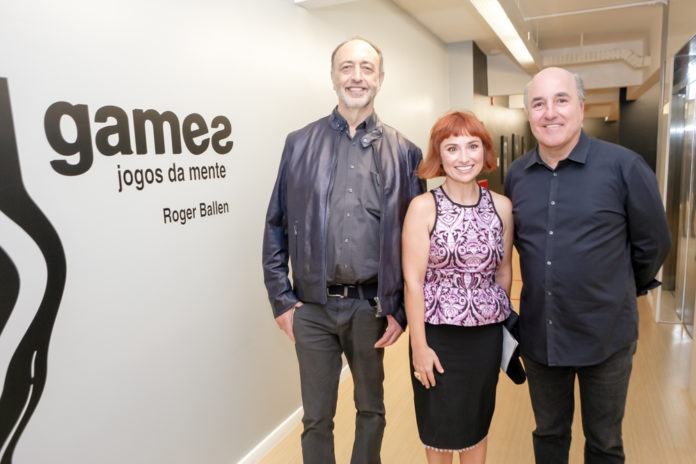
372	126
578	154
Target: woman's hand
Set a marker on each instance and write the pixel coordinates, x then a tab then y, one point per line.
424	361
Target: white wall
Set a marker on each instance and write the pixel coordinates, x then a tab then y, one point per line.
505	77
164	349
461	75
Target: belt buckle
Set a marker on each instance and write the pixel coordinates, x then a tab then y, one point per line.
338	295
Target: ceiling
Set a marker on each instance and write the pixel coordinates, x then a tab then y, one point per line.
567	22
623	36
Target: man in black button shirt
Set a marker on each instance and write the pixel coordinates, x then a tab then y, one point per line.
336	212
592	234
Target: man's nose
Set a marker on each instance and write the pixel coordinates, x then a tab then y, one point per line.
550	110
356	75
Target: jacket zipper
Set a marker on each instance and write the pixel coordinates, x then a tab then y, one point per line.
378	168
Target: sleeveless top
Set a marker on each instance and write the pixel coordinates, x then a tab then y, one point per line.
466	248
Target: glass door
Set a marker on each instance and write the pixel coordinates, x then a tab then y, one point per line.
679	270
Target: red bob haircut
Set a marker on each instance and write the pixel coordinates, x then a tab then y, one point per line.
454	124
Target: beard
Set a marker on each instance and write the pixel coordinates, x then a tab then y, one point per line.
357	102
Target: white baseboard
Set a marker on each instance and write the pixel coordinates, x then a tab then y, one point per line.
276	436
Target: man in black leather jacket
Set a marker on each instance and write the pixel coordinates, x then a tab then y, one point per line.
336	212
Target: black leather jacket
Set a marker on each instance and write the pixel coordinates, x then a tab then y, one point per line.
296	217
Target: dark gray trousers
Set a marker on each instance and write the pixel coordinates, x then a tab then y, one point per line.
603	392
322	334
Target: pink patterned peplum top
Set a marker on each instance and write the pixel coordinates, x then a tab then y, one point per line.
466	248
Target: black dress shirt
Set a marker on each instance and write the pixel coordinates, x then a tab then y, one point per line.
352	245
591	235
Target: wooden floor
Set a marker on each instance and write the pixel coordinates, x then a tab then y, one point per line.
659	428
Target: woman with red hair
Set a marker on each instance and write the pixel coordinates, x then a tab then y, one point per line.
457	245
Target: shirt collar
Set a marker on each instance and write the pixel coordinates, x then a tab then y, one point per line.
578	154
371	125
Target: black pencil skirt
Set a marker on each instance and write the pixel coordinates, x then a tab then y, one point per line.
456	413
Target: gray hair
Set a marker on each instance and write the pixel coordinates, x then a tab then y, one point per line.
379	52
578	84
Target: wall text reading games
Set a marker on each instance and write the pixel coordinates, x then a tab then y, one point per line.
113	136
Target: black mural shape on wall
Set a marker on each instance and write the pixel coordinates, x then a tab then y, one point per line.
26	373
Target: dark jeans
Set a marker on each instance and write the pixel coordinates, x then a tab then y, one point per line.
603	389
322	333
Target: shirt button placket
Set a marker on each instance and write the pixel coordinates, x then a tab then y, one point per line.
549	254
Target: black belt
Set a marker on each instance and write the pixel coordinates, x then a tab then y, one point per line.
361	292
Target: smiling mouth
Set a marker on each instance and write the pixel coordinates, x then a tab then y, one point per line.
464	168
